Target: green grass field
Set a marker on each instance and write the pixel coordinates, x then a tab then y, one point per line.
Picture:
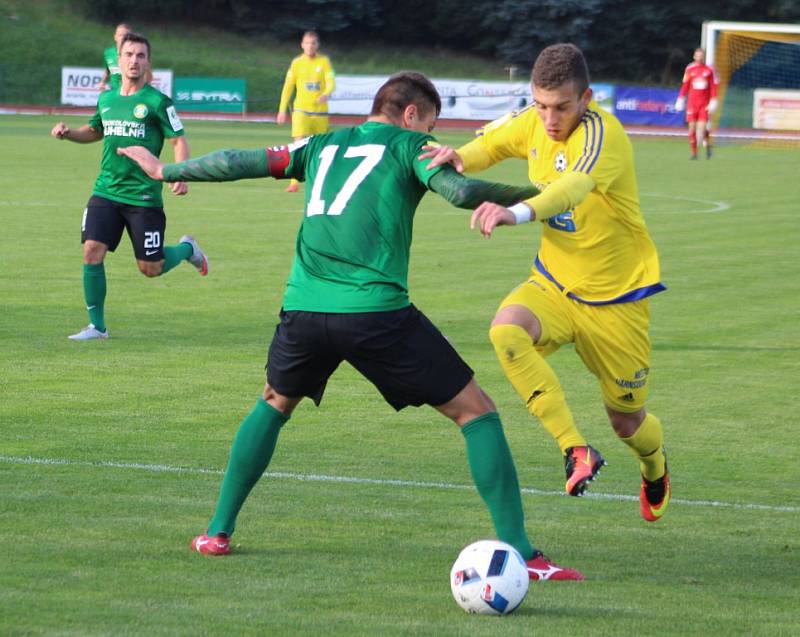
112	452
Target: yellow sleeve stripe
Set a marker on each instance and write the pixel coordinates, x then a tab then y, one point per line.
593	128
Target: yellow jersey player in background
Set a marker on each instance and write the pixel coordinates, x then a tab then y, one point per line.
594	272
311	77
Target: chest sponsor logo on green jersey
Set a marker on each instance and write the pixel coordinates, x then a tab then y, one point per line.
123	128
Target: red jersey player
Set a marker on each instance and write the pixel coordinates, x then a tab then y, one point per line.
700	82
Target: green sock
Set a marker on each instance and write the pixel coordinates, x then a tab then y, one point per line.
94	291
250	455
173	255
495	477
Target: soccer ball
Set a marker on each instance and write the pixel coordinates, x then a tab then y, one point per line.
489	578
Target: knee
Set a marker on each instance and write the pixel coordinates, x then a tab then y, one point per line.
283	404
509	340
93	253
150	269
624	424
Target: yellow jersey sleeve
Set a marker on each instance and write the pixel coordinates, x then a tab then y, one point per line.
562	195
501	139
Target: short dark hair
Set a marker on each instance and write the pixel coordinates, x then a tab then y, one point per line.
402	89
311	34
560	63
130	36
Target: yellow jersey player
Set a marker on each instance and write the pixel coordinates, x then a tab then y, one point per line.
594	272
311	78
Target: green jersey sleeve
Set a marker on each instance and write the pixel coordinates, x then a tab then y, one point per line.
421	170
96	122
298	154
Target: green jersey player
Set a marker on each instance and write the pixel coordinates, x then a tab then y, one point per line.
123	197
347	297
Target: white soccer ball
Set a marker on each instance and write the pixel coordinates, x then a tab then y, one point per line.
489	578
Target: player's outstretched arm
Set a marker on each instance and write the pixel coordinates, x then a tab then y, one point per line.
222	165
83	135
489	199
465	192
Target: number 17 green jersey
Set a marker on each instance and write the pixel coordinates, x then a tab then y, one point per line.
363	186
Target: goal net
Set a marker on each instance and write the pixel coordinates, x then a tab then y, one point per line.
758	66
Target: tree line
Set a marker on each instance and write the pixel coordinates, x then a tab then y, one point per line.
644	41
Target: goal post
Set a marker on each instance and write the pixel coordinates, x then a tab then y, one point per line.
758	67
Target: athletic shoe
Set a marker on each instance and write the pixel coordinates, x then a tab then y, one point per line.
581	465
216	545
708	152
654	497
198	258
694	156
540	568
292	187
88	333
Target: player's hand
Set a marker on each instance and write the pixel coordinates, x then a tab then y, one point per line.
322	99
712	105
680	104
149	163
440	155
281	118
488	216
179	188
60	131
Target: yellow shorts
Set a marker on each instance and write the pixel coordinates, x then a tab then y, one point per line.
304	124
612	340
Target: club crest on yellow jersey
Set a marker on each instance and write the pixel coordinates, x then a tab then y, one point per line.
561	161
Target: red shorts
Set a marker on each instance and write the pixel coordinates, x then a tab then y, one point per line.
697	111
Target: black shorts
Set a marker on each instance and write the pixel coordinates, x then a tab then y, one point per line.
401	352
104	220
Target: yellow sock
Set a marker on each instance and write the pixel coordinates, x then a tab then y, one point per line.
536	383
647	444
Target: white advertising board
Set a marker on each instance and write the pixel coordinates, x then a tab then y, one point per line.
461	99
776	109
79	84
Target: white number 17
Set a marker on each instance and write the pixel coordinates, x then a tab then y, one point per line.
372	154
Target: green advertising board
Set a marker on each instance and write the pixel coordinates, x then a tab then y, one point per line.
210	94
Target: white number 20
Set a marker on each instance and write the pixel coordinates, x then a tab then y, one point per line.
372	154
152	239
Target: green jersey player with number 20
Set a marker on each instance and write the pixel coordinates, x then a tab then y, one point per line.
124	198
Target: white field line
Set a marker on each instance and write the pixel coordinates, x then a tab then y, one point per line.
704	206
709	205
306	477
